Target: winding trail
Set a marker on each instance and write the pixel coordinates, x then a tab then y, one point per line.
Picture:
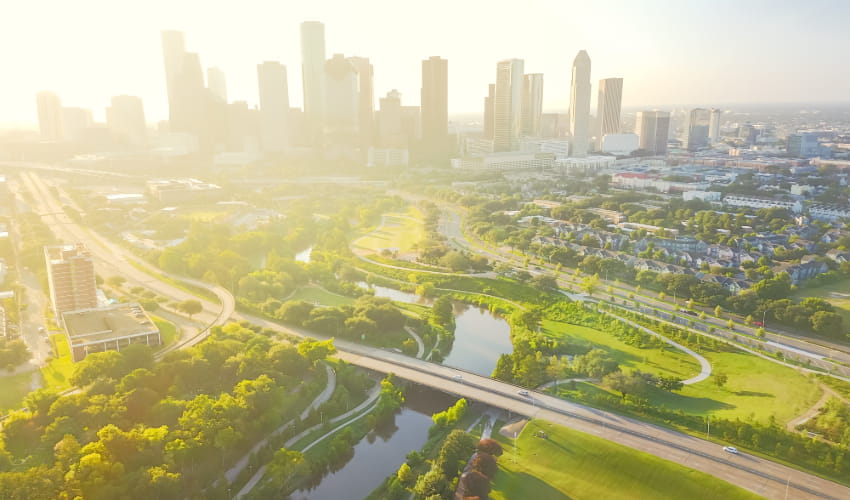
323	397
363	407
420	345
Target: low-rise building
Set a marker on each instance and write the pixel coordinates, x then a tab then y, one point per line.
109	328
756	202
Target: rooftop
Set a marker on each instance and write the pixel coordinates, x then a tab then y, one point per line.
106	323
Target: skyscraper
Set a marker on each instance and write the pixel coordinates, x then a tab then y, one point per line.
714	126
75	123
608	108
188	99
274	106
507	109
390	133
125	119
532	104
366	109
70	276
489	111
580	105
435	106
49	116
652	128
698	124
313	77
342	103
217	84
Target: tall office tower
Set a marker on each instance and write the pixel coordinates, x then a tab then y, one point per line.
714	126
50	116
608	108
274	106
313	77
342	102
242	127
188	99
435	107
652	128
698	122
70	276
532	104
217	84
125	119
507	109
366	110
490	111
75	122
580	105
390	132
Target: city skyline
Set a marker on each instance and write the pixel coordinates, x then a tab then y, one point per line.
650	57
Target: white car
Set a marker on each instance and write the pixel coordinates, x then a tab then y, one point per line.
731	449
458	378
523	393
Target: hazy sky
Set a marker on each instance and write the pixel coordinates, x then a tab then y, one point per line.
669	52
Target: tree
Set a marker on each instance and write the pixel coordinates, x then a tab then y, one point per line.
718	311
442	312
476	484
632	383
589	284
314	350
295	312
116	281
544	282
720	379
286	470
455	261
490	446
827	323
405	475
485	463
190	307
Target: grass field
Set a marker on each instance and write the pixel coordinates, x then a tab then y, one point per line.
58	371
167	329
399	231
314	295
837	294
666	361
14	388
756	389
573	465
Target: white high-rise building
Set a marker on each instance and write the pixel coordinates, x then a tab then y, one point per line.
342	102
532	104
125	119
50	116
507	109
714	126
274	106
217	84
313	77
580	105
608	108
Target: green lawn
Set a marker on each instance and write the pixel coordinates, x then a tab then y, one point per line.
399	231
756	389
167	329
667	361
14	388
314	295
837	294
573	465
58	371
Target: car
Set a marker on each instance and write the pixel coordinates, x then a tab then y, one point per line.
689	313
41	330
523	392
758	323
458	378
731	449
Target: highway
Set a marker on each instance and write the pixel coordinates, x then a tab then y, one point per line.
111	259
761	476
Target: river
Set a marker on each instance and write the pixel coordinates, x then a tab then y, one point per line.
382	451
480	336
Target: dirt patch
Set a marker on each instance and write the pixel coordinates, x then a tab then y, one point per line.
513	429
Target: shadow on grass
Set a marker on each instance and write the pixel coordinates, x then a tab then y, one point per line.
515	484
755	394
